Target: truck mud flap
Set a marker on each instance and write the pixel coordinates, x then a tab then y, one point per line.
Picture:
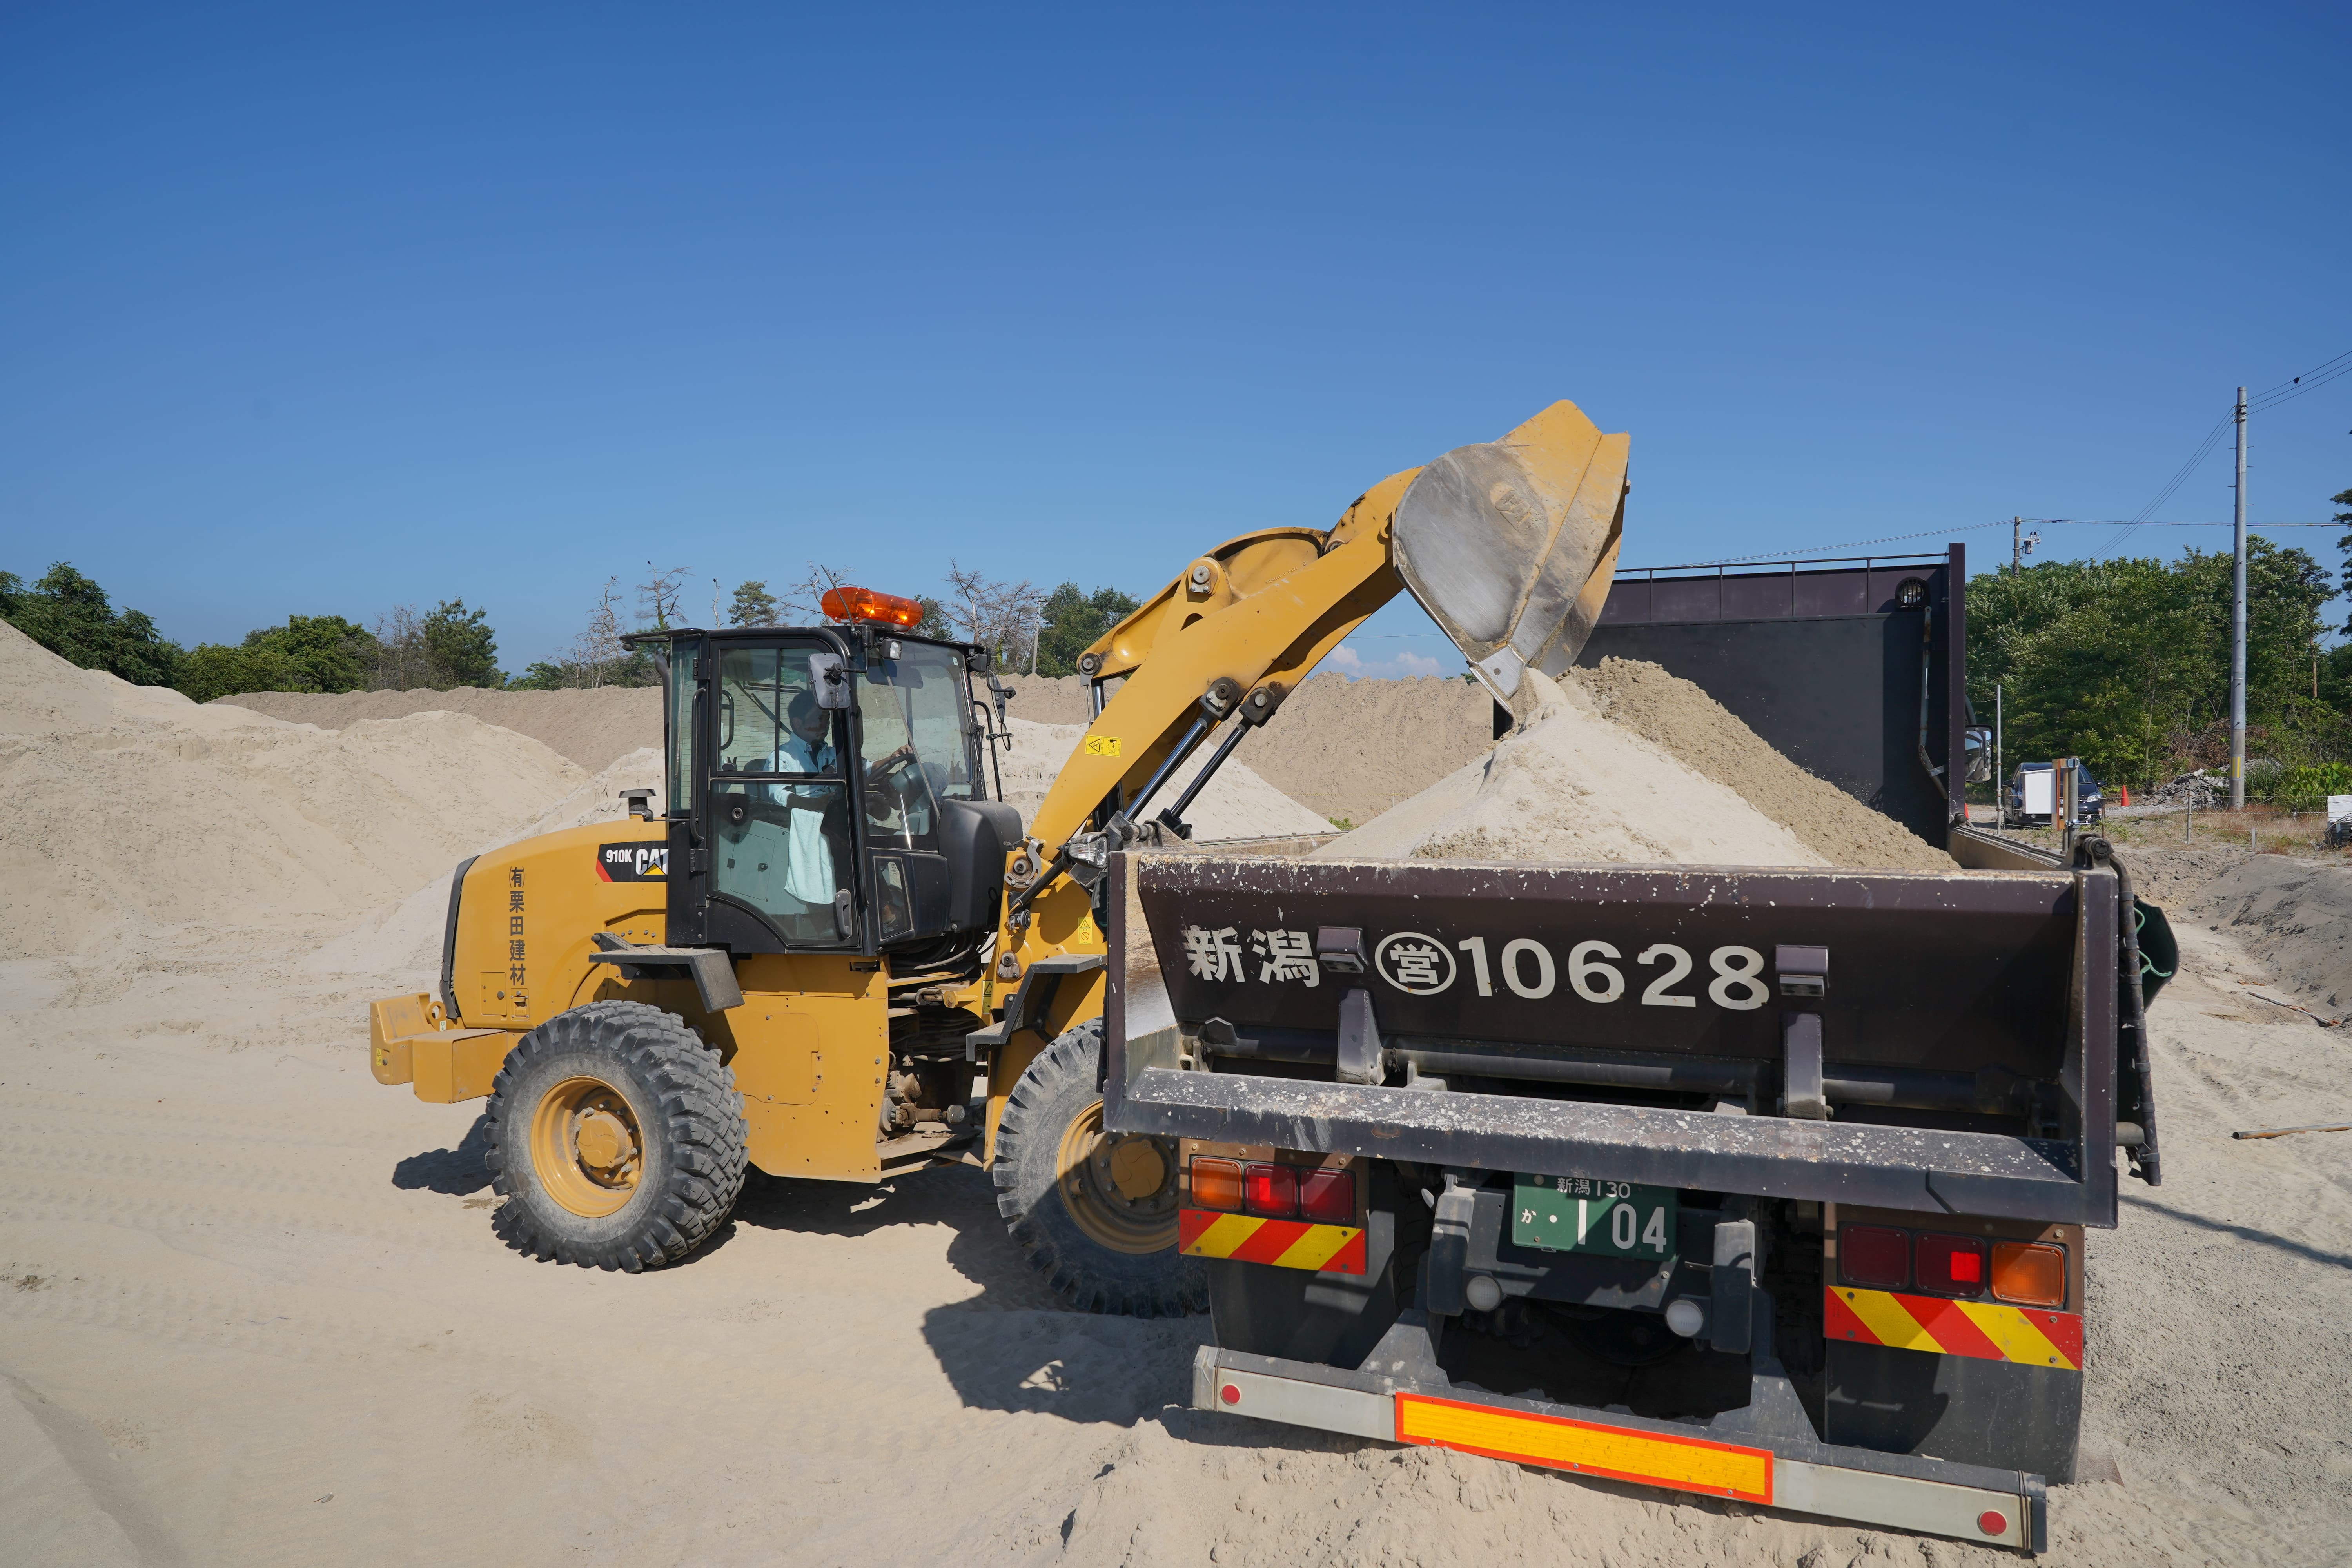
1401	1396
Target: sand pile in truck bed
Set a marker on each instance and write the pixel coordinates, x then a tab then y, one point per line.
1568	784
1237	804
125	807
1683	720
594	729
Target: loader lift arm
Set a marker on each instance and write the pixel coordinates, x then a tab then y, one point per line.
1509	545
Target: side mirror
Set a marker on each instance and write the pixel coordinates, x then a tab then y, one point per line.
830	679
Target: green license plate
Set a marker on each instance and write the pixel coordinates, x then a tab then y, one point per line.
1585	1213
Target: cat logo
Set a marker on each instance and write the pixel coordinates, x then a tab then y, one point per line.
633	862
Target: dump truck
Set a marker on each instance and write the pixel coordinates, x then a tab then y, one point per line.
830	936
1768	1186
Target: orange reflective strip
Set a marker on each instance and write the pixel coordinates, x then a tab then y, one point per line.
1587	1447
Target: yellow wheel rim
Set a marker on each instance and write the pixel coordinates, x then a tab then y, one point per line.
1120	1190
587	1148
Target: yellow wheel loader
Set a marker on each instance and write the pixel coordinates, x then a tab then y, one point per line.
834	930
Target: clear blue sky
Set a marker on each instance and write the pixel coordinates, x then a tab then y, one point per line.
322	308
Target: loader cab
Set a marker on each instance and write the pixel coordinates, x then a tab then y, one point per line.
828	792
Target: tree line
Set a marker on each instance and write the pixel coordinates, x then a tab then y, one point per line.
2126	664
451	645
67	612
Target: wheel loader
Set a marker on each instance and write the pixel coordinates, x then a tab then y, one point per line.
834	936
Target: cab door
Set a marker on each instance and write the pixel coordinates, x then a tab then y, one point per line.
773	852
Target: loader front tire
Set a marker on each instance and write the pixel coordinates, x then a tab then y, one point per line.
1094	1212
616	1138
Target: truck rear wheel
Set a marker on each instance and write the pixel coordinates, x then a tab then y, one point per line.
616	1138
1094	1212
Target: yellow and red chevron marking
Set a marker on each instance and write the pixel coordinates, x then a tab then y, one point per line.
2031	1336
1289	1243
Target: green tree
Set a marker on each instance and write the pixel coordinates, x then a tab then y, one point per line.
753	606
2126	663
332	653
1073	619
68	613
217	669
461	646
544	676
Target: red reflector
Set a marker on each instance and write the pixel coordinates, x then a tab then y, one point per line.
1329	1196
1952	1265
1217	1184
1874	1255
847	604
1270	1190
1232	1396
1992	1521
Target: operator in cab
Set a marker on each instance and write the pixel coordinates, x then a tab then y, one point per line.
808	867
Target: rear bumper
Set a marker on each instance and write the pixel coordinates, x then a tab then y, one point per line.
1768	1156
1759	1455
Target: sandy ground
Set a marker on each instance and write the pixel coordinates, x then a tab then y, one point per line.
254	1314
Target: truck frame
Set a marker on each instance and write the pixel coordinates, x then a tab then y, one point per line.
1765	1184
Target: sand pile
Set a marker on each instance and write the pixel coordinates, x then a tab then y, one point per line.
406	936
1686	723
124	807
1568	784
1048	698
2295	915
593	729
1237	804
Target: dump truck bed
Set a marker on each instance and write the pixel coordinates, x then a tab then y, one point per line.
1636	1020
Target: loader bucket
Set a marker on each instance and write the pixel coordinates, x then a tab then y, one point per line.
1510	544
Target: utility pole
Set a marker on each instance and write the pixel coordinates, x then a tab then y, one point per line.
2237	629
1999	777
2020	545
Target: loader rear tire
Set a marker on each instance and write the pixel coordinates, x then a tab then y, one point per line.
616	1138
1094	1213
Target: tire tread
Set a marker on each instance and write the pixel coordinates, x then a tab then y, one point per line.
702	1119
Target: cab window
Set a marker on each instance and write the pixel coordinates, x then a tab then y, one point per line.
920	747
780	795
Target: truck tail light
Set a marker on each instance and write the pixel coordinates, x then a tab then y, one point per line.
1217	1184
1271	1190
1952	1265
2030	1273
1328	1196
1874	1255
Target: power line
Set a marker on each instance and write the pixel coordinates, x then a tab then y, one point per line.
2309	381
1810	551
2204	449
1854	544
2093	522
2285	391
